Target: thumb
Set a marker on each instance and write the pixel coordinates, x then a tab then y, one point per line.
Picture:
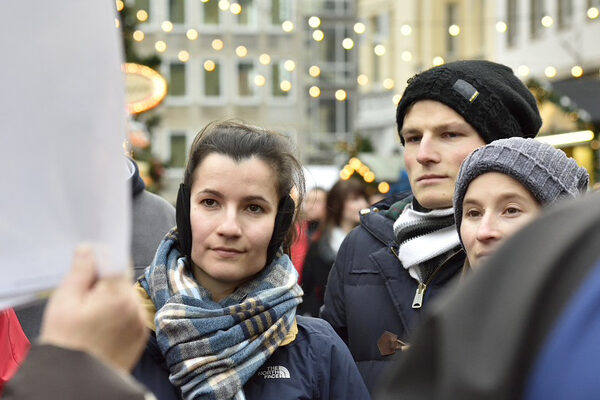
83	272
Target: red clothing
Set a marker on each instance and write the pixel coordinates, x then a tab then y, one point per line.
14	345
299	248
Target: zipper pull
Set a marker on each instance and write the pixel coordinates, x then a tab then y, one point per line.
418	300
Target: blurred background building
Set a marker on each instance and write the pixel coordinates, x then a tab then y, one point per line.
329	73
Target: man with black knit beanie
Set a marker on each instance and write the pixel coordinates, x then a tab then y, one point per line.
407	248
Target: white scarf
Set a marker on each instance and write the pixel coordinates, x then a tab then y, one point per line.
423	236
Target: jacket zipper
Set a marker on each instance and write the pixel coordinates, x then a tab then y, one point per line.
420	293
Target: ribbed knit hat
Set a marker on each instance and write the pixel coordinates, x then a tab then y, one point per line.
545	171
486	94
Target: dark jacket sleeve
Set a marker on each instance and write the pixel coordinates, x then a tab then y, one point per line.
51	372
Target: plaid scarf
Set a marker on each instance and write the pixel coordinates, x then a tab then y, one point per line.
212	349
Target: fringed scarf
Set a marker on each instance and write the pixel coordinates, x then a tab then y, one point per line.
212	349
423	236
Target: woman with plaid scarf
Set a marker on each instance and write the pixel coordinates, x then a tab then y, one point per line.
222	295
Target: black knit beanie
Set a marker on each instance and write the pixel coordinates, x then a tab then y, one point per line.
486	94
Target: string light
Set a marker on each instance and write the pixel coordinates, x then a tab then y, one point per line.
314	22
217	44
167	26
437	60
259	80
406	30
577	71
362	79
224	5
285	86
523	70
235	8
241	51
369	177
550	72
318	35
341	95
264	59
287	26
183	56
192	34
160	46
314	71
142	15
314	91
379	50
547	21
209	65
593	12
454	30
383	187
289	65
138	35
501	27
347	43
360	28
406	56
396	99
117	22
120	5
388	83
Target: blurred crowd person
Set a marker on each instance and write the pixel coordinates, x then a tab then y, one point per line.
14	345
504	185
343	203
221	295
407	250
312	215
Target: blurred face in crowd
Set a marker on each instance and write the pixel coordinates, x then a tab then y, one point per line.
494	208
232	214
314	205
437	140
352	206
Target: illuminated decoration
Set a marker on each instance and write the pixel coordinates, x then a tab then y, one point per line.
259	80
314	22
120	5
146	88
406	56
347	43
285	85
547	21
356	166
593	12
577	71
318	35
360	28
224	5
138	36
406	30
241	51
341	95
314	71
396	99
183	56
355	163
142	15
383	187
289	65
438	61
117	22
454	30
523	70
550	72
209	65
192	34
369	176
362	79
388	83
160	46
287	26
264	59
567	139
217	44
501	27
235	8
314	91
166	26
379	50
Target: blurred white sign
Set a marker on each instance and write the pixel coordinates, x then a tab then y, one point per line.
62	125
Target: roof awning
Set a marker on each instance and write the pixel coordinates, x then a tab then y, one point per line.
584	92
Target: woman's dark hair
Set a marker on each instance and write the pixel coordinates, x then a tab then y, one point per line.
336	197
241	141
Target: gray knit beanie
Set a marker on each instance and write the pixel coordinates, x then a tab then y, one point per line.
545	171
486	94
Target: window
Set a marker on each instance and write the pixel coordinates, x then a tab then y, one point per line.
177	11
512	22
327	117
565	13
177	84
248	15
245	79
536	13
451	19
178	150
281	79
210	12
212	79
281	10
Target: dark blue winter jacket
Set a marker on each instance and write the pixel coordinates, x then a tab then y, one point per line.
316	365
369	292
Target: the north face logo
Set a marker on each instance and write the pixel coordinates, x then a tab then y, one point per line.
275	372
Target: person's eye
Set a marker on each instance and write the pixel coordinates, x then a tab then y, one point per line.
452	135
255	209
209	203
412	139
471	213
512	211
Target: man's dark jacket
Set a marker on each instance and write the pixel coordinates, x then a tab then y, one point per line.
369	292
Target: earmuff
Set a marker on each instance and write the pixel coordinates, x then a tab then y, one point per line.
283	221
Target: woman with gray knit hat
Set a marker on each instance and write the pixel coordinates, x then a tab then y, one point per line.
504	185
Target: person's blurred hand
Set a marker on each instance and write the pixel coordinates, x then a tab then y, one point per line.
98	316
